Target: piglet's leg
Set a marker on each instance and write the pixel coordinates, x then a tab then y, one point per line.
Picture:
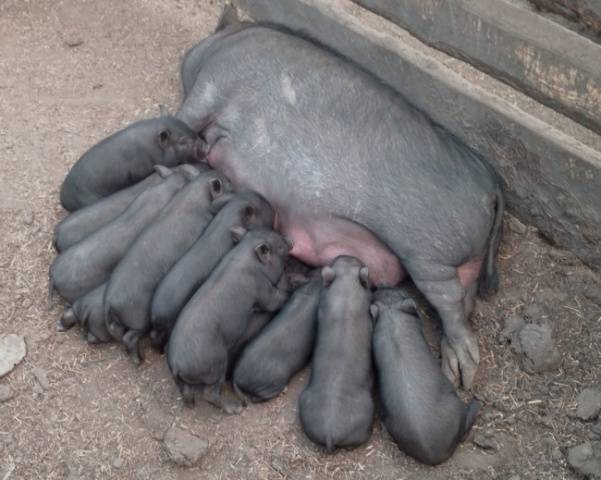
272	298
131	340
214	395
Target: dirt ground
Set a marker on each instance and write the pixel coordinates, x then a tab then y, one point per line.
73	71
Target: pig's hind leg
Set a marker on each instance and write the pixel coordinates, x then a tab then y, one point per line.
443	288
215	396
131	340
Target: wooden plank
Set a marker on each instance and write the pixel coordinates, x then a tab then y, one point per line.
552	64
586	12
551	180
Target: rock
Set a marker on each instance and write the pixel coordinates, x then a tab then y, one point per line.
12	351
536	349
27	217
589	403
485	441
585	459
474	460
117	463
5	393
515	225
533	312
185	448
41	376
597	429
513	325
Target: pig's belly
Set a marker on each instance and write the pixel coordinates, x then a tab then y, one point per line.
318	241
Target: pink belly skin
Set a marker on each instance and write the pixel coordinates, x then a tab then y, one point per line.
317	242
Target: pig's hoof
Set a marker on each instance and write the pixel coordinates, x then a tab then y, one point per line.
92	339
232	406
460	359
66	321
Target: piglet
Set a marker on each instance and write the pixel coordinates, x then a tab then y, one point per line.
89	263
269	361
155	251
336	407
128	156
243	211
88	311
420	408
216	317
85	221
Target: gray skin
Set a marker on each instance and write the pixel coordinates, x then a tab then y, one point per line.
283	348
420	408
127	157
336	407
133	282
243	211
89	263
216	317
258	321
85	221
405	197
88	311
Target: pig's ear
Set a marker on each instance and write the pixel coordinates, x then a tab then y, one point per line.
374	311
163	137
189	172
163	171
263	251
163	112
327	275
238	233
216	188
364	277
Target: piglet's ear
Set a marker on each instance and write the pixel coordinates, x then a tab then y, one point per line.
163	112
364	277
164	136
263	252
407	305
216	188
238	233
374	311
189	172
163	171
328	275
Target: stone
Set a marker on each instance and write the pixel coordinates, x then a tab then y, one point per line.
585	459
118	463
185	448
589	403
27	217
536	349
12	351
41	376
5	393
513	325
485	441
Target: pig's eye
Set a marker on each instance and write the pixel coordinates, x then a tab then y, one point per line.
249	212
217	186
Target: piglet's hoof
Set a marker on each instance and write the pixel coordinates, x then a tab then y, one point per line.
231	406
66	321
460	359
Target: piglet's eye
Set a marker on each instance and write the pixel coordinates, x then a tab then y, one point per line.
164	138
217	186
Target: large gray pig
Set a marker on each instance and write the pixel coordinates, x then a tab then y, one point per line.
351	168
